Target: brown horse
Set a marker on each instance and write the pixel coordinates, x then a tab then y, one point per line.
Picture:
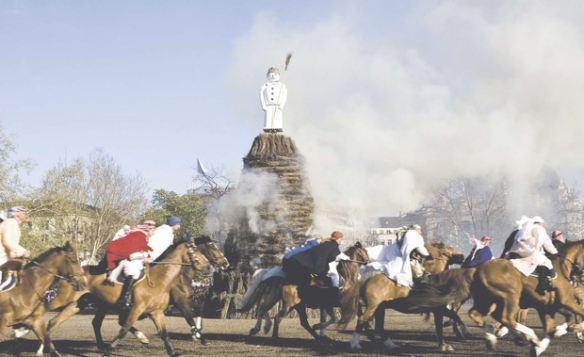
150	295
179	294
274	289
24	304
379	292
498	283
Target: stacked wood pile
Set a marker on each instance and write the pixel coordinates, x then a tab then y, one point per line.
285	217
292	205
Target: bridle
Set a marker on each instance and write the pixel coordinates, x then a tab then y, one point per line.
70	278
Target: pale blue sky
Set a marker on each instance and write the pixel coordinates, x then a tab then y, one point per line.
386	98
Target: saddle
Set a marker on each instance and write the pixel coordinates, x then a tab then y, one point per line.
10	269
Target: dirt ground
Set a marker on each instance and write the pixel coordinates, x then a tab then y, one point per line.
230	338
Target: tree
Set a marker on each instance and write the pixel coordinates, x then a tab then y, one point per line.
469	206
211	186
189	207
86	201
11	186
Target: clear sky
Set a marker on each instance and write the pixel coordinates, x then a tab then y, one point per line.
386	98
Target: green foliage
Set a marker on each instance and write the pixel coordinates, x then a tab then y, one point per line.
189	207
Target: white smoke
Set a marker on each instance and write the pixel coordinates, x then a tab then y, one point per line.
255	192
466	88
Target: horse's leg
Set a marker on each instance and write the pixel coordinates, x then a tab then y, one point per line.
549	328
477	313
130	318
139	335
40	329
301	309
361	322
506	313
444	347
97	322
379	323
158	319
63	316
457	321
184	307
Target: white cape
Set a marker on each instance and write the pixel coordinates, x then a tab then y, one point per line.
394	261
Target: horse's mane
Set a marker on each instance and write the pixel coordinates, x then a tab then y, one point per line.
437	244
169	250
351	250
44	256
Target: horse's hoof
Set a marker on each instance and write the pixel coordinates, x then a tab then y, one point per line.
580	337
447	324
446	348
253	331
267	329
502	332
204	341
55	353
142	338
491	343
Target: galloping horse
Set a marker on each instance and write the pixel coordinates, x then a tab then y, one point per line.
24	304
179	294
150	295
498	282
274	289
379	292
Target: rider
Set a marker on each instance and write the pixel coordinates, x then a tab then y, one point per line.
10	235
313	262
142	244
398	267
558	239
531	243
479	254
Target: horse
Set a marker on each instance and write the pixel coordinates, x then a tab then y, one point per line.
276	288
440	259
498	283
24	304
151	295
179	294
379	292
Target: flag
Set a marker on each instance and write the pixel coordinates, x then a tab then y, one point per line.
201	168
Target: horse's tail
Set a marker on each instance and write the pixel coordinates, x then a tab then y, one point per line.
427	297
349	303
253	296
252	291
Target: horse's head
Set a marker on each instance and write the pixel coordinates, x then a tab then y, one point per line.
358	253
349	268
574	252
197	258
441	256
211	252
70	269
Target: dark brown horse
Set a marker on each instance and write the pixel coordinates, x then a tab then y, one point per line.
24	304
498	283
150	296
379	292
274	289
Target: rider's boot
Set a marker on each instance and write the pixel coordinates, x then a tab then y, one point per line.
126	296
544	282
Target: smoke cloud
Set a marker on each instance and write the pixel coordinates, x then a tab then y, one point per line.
450	88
